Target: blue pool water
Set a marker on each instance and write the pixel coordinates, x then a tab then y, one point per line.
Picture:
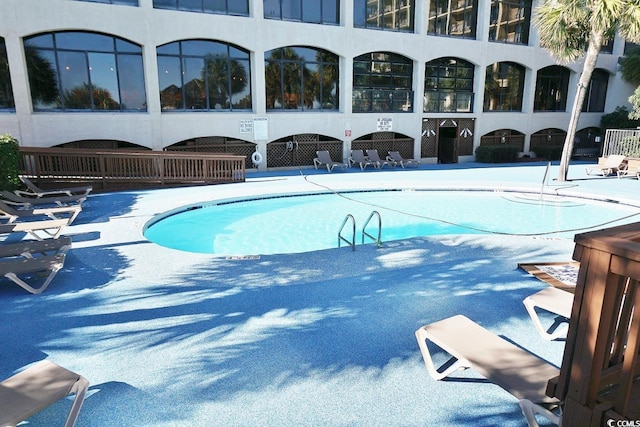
303	223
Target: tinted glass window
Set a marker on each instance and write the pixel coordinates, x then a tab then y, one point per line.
311	11
224	7
6	91
85	71
302	79
552	84
204	75
384	14
382	82
503	88
448	86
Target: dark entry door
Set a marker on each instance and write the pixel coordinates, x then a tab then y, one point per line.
447	140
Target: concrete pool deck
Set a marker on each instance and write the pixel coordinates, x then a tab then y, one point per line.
168	338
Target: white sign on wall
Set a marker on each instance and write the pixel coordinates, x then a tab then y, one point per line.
246	126
385	125
260	129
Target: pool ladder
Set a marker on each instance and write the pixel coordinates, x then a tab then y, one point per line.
352	220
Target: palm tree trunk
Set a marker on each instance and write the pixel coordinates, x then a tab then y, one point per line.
595	43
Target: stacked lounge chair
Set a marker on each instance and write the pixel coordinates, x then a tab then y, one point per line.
42	216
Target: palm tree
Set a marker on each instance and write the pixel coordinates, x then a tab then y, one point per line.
573	29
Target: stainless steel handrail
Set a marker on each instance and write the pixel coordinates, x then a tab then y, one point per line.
352	243
378	241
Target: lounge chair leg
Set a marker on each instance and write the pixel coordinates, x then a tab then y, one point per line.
80	390
530	409
421	336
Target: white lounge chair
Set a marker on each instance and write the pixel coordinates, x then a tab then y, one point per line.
52	228
37	387
33	259
552	300
374	157
609	165
34	190
58	212
324	159
358	157
396	159
29	202
519	372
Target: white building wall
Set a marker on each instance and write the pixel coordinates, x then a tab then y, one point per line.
150	27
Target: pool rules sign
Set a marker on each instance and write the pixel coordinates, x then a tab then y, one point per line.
385	125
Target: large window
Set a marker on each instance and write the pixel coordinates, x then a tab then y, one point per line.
6	92
80	71
302	79
510	21
596	92
455	18
384	14
312	11
448	86
503	87
125	2
223	7
552	84
382	82
203	75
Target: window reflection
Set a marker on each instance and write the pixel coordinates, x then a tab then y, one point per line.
203	75
448	86
301	78
6	91
84	71
510	21
311	11
552	84
503	87
223	7
596	95
454	18
397	15
382	82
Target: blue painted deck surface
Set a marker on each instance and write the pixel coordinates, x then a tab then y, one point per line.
326	338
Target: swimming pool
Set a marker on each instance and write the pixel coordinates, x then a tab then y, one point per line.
296	223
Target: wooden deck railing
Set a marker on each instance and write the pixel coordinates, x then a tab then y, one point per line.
119	169
600	376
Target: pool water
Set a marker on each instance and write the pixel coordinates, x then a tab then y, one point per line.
303	223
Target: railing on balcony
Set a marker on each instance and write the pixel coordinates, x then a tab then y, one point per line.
119	169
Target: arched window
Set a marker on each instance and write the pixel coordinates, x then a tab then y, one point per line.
81	71
503	87
382	82
455	18
6	92
448	86
552	84
222	7
312	11
395	15
301	78
596	92
204	75
510	21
